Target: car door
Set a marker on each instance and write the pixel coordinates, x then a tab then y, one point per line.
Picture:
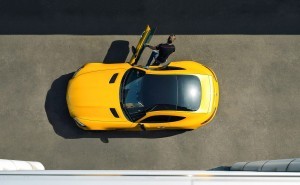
145	38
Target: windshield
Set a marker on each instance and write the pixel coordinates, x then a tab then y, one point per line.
141	93
131	96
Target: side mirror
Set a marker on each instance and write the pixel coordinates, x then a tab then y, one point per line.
141	125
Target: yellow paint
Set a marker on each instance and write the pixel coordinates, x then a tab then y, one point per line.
90	97
140	44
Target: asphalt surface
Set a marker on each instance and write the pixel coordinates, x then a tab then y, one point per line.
258	115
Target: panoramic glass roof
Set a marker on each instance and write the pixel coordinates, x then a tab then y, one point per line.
171	92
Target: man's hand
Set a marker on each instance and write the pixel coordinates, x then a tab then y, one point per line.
149	46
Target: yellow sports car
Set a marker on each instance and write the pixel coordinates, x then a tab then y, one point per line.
123	96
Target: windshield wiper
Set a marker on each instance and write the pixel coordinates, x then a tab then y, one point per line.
151	108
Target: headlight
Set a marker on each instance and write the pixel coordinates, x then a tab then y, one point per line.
79	123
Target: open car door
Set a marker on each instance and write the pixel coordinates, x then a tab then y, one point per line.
145	38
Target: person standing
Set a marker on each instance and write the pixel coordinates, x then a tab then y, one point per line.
161	52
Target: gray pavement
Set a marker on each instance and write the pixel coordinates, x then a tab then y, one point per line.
258	116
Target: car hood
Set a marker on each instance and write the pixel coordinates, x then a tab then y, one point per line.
91	95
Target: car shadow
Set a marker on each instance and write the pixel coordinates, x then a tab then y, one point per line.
117	52
58	116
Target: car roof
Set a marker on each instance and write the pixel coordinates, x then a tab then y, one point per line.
171	92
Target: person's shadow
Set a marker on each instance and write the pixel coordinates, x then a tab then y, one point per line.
64	126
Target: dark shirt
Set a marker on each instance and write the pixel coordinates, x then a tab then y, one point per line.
165	50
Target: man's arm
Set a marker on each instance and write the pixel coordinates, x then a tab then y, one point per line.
151	47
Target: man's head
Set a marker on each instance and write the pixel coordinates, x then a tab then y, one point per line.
171	39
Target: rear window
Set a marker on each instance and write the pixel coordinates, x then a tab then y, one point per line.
189	92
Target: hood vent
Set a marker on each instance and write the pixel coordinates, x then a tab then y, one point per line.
113	78
114	112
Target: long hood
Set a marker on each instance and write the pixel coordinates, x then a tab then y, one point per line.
91	95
